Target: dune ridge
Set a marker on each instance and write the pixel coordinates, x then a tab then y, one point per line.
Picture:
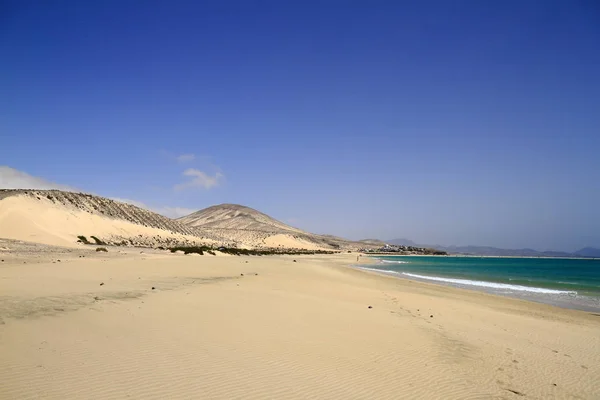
57	217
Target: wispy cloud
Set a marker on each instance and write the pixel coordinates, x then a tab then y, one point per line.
11	178
199	179
184	158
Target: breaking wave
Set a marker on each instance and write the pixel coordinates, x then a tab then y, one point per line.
494	285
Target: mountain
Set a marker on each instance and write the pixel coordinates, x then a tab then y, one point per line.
588	252
372	243
494	251
498	252
235	216
61	218
402	242
252	228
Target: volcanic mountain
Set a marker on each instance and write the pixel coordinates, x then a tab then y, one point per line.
253	228
235	216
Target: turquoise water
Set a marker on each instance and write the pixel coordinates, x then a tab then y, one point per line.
573	283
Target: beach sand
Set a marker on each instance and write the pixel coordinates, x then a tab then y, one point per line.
92	327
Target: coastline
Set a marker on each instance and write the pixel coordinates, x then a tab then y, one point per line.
167	325
395	254
534	294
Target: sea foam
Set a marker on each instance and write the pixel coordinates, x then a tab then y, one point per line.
494	285
387	271
393	262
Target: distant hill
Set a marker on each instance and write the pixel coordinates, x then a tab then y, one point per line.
372	242
402	242
498	252
494	251
588	252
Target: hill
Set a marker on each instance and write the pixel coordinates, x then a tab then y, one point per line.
402	242
588	252
499	252
252	228
235	216
57	217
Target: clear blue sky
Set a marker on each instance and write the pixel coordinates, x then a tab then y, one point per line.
450	122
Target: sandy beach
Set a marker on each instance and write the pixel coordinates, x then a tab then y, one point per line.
145	324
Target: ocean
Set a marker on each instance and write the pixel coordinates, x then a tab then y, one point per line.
570	283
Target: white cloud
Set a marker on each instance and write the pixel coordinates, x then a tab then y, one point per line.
186	158
11	178
199	179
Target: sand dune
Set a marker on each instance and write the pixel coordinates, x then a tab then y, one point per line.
284	330
57	218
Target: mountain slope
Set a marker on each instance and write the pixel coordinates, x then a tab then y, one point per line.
57	218
402	242
250	227
588	252
498	252
234	216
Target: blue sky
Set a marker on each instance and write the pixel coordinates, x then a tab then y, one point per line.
462	122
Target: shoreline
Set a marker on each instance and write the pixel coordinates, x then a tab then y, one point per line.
538	295
476	256
563	305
